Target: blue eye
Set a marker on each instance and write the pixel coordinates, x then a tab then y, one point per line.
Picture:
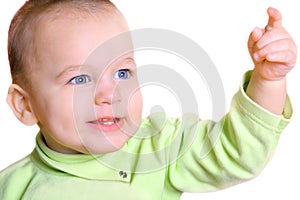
122	74
78	80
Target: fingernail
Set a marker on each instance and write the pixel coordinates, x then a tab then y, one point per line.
256	56
268	28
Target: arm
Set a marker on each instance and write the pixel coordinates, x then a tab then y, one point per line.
273	52
228	152
238	147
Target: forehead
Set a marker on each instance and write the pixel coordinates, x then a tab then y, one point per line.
66	21
69	38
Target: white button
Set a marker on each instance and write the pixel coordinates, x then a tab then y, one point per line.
123	174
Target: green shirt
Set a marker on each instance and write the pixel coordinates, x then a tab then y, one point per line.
165	158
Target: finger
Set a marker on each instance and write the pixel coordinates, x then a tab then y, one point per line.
255	36
257	33
271	36
275	19
285	57
275	46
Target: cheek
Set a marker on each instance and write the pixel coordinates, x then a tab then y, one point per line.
131	98
54	110
135	107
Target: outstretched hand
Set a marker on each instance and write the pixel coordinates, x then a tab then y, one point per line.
272	49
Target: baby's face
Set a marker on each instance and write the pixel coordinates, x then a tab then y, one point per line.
85	100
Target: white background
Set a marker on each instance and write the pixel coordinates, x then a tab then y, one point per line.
222	29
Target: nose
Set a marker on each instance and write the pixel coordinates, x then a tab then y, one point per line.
106	92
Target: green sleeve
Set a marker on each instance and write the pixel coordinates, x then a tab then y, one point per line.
230	151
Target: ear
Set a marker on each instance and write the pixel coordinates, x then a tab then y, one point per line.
19	102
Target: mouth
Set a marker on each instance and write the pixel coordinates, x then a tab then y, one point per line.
107	123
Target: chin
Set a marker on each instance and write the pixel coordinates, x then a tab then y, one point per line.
108	148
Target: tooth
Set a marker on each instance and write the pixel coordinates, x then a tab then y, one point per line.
108	123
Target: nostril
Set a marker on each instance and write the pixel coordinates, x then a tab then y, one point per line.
103	100
107	93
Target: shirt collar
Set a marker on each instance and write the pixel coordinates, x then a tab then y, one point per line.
81	165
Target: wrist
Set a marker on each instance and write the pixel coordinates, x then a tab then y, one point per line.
265	81
270	94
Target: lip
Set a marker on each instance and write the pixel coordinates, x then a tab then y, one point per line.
107	124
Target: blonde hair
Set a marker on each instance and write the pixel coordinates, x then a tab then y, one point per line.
21	31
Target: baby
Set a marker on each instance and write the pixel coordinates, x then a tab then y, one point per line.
93	143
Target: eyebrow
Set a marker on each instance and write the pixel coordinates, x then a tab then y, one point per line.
70	69
122	60
76	68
